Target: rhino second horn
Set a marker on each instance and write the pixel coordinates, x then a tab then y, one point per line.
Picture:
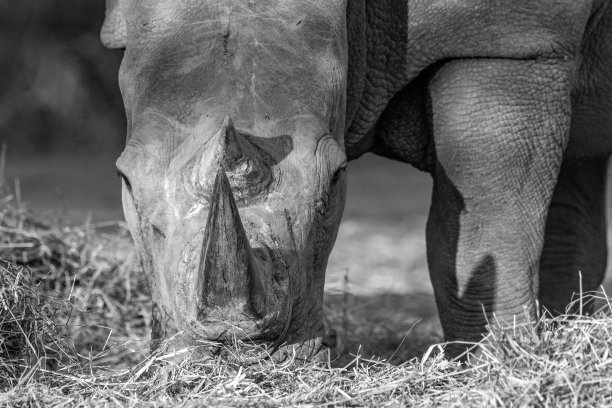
228	278
232	145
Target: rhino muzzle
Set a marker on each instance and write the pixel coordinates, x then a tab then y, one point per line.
232	290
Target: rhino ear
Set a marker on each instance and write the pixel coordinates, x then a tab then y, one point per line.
114	32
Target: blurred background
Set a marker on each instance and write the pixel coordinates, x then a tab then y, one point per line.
61	115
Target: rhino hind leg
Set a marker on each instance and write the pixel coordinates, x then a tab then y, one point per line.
575	239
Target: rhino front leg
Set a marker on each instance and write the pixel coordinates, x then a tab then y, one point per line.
500	128
575	234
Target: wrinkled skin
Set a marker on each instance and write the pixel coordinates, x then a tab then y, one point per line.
255	106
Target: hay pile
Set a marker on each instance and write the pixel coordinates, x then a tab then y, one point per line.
29	335
82	282
74	313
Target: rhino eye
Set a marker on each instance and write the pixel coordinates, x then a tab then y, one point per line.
338	174
125	180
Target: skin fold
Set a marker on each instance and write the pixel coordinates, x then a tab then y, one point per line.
257	106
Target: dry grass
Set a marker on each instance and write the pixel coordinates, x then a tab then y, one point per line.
74	321
100	297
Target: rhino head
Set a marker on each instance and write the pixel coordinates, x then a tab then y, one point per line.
233	172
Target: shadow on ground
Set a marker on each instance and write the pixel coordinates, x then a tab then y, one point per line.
393	327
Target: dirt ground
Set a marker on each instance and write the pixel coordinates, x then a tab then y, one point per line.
379	255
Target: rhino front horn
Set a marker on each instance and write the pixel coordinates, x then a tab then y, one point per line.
229	280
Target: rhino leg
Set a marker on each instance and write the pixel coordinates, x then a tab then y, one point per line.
575	234
500	128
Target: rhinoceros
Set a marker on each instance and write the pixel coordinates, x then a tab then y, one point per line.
242	115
